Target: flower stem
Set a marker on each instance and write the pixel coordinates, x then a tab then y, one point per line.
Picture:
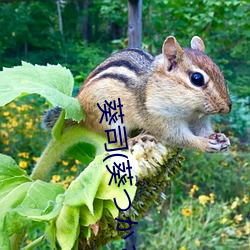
57	146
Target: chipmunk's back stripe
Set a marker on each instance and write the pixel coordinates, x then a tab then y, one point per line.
118	77
118	63
142	53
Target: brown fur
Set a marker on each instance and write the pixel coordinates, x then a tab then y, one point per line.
157	94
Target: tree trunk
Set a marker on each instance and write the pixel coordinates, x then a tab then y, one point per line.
59	16
131	241
135	23
134	41
85	20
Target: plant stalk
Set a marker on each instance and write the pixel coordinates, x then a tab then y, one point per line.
57	147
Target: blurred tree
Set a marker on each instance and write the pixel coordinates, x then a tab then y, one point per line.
58	2
86	21
134	23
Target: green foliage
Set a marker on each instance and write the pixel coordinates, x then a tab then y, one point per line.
83	152
81	58
19	198
201	223
19	127
232	166
29	32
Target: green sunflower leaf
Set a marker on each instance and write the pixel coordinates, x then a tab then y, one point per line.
53	82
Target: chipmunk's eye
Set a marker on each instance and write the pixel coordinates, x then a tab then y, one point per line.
197	79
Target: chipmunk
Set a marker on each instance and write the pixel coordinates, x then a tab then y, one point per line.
170	96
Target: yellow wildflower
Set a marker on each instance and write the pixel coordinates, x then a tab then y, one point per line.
4	134
19	108
23	107
183	248
65	163
187	211
223	220
6	141
14	123
203	199
29	124
73	168
55	178
238	233
20	154
245	199
65	185
197	242
6	113
70	178
23	164
234	152
211	195
193	190
247	227
223	235
24	154
238	218
224	164
238	159
10	129
225	207
35	159
6	149
28	241
77	162
235	203
12	105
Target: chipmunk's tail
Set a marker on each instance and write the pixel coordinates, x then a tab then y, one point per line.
50	117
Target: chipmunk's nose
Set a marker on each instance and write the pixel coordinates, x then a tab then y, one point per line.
227	108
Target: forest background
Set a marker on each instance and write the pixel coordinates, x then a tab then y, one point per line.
207	206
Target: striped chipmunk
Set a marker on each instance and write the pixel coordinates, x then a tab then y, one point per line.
169	97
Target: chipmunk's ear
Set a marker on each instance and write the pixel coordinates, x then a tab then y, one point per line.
197	43
171	49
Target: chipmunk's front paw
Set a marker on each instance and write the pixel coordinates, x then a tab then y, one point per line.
218	142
